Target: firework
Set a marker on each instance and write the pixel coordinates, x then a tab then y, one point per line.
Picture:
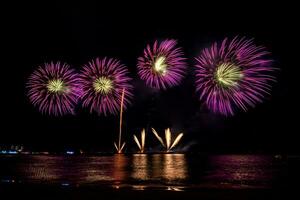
162	65
235	74
141	144
168	139
120	147
103	81
54	89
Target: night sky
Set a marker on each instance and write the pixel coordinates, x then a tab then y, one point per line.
78	32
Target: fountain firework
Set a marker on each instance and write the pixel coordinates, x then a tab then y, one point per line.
168	139
141	144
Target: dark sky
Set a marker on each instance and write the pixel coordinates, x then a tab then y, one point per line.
78	32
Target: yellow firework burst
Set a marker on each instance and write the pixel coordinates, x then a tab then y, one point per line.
56	86
160	65
103	85
228	75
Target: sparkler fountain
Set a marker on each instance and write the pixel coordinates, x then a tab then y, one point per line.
168	139
141	144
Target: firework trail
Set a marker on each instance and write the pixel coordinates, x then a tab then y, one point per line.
118	147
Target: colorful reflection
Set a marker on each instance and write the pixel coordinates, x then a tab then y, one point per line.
174	167
119	173
159	167
42	168
170	167
241	170
140	167
142	171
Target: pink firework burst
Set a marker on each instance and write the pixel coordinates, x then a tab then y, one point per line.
54	89
103	81
234	74
162	65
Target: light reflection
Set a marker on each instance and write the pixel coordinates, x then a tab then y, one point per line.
244	170
171	167
67	169
140	167
139	187
172	188
119	168
116	186
97	169
41	168
174	167
142	171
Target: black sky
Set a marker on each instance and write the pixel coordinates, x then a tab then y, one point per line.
77	32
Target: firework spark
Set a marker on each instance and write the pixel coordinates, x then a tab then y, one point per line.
168	139
54	89
233	75
141	144
103	81
163	65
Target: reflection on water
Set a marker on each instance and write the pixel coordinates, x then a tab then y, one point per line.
119	168
139	171
242	170
174	167
41	168
140	167
167	167
93	169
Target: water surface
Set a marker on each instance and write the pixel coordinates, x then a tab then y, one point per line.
142	171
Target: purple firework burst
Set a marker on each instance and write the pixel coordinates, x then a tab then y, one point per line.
54	89
103	81
162	65
233	74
